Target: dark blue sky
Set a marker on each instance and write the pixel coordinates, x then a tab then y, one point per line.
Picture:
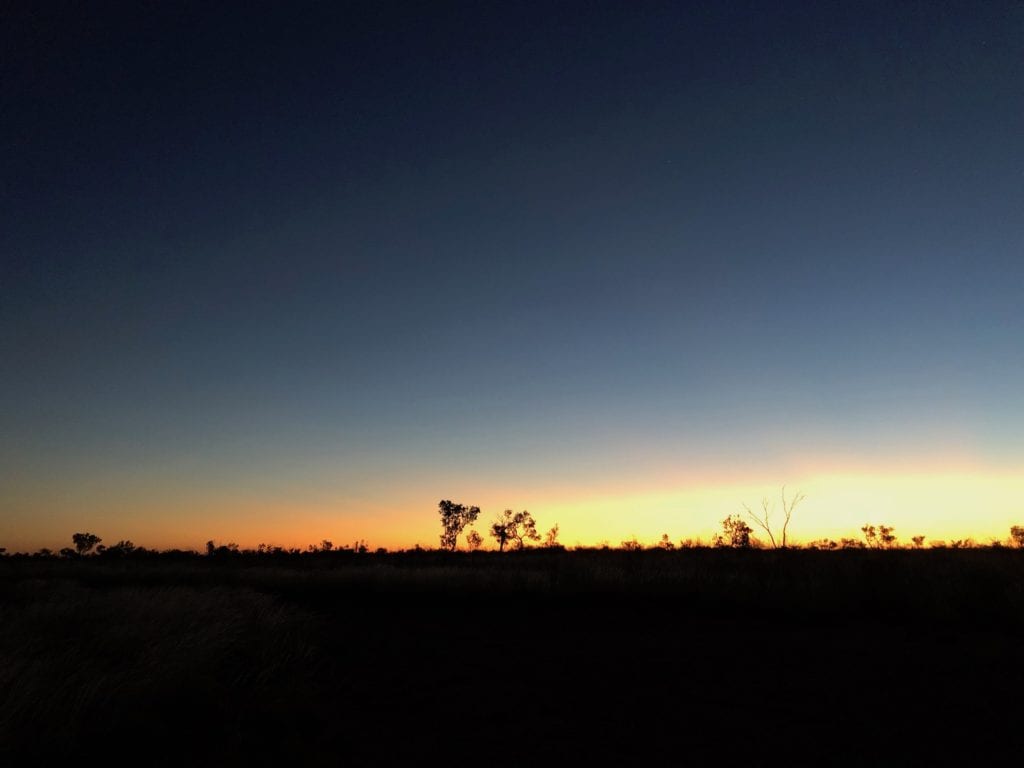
506	241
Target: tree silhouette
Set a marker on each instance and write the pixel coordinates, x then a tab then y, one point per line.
525	527
84	542
514	527
474	541
123	548
880	538
454	518
499	530
1017	535
767	508
551	537
212	550
735	533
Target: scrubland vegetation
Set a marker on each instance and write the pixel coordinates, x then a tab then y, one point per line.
853	651
850	655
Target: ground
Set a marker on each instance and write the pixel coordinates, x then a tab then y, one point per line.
607	657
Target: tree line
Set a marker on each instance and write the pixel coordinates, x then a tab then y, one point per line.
509	529
517	531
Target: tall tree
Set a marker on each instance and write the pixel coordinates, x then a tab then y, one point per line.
454	517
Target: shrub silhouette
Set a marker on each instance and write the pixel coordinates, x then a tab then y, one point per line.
881	537
84	542
224	550
886	536
123	548
823	544
735	533
474	541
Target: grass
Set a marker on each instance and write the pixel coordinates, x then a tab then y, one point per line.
693	655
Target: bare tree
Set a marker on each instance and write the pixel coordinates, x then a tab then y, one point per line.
768	508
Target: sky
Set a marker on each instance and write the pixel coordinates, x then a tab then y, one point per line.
278	272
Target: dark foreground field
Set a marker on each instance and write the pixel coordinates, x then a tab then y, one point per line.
685	657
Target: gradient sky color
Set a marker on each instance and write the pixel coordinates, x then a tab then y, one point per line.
278	273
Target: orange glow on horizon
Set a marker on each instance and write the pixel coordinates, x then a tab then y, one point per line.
940	502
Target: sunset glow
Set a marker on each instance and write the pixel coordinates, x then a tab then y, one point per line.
587	383
627	285
943	504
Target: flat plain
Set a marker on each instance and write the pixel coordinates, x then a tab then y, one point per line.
605	656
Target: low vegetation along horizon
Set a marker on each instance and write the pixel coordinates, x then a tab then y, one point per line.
299	656
517	531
